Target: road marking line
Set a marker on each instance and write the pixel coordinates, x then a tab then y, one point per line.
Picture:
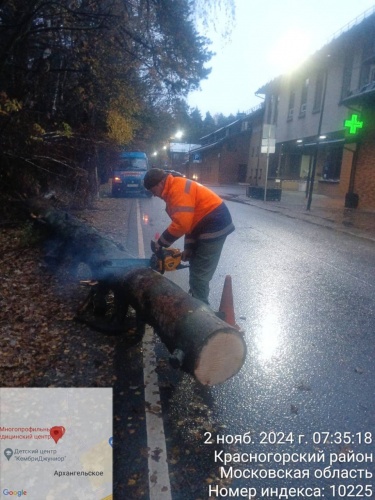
141	247
158	474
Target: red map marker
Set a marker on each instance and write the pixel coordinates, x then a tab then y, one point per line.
57	432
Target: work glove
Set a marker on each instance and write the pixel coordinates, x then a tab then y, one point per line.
158	249
186	254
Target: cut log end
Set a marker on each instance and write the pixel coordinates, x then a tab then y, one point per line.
220	359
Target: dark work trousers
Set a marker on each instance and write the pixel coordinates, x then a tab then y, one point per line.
203	264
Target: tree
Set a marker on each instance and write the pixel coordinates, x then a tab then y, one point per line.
217	14
93	69
195	126
209	124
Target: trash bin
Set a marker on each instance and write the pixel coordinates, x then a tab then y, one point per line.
257	192
351	200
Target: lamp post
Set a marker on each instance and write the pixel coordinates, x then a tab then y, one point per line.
155	154
165	156
315	160
178	135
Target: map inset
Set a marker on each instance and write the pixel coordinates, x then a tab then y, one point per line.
56	443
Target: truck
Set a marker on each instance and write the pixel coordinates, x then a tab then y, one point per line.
128	174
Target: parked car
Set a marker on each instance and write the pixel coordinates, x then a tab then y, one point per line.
175	173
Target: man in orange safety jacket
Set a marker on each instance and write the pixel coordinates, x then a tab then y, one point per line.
200	215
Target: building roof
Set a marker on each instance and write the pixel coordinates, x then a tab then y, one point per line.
250	114
321	54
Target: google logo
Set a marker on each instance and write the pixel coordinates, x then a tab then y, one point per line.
18	493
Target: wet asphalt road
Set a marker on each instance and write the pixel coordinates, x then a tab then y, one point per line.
304	297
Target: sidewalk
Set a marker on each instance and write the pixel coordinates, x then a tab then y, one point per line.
324	211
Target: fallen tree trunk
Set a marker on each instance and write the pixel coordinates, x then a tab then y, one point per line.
69	237
199	342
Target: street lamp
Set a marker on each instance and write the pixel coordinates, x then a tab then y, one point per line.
178	135
155	154
319	137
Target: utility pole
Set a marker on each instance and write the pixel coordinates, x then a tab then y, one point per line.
268	146
315	160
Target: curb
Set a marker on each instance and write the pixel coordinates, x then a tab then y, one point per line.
318	220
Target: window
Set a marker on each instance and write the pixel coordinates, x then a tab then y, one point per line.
368	57
318	92
291	104
269	108
276	113
304	90
244	126
242	170
332	164
347	75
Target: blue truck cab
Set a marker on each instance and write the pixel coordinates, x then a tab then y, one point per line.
128	174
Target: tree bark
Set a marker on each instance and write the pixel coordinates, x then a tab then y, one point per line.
200	342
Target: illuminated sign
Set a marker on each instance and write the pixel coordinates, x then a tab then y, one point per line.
353	124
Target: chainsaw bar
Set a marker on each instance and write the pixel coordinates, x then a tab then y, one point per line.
127	263
153	263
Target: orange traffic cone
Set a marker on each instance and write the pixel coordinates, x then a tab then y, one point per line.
226	303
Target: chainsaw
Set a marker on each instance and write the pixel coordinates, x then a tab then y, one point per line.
163	259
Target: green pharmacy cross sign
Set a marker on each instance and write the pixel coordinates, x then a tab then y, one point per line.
353	124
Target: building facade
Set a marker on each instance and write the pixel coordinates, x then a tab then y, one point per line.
324	119
223	157
177	156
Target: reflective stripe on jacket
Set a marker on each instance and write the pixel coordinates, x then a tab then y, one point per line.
196	212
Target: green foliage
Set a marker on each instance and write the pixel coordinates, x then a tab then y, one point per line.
67	130
121	119
218	15
9	106
37	132
120	129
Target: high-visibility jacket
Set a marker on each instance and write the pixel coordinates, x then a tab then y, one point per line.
196	212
